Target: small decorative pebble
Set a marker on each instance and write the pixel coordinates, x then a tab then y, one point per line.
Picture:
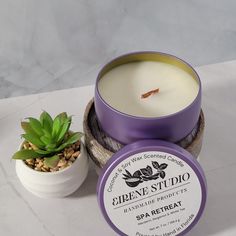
67	157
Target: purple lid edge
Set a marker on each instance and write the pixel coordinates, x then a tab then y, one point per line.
151	145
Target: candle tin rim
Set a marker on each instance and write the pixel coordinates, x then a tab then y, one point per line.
150	145
140	53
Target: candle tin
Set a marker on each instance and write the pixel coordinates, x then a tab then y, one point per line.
152	187
127	128
101	147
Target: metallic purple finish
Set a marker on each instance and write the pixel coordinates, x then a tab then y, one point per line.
151	145
127	128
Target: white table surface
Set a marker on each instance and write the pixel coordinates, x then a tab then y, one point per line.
21	213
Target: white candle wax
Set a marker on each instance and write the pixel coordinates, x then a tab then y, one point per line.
123	86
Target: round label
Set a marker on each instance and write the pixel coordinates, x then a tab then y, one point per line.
152	194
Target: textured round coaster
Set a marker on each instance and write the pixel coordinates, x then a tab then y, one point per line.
101	147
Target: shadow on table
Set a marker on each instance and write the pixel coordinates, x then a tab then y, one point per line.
219	161
220	212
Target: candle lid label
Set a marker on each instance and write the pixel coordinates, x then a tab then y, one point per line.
152	193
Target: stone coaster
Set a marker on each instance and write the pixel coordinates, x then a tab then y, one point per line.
101	147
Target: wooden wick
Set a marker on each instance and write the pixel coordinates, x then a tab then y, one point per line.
146	95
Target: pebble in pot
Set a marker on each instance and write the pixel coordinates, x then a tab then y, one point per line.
52	160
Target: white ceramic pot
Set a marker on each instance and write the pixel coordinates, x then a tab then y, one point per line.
54	184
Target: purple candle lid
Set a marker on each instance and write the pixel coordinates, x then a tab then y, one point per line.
152	187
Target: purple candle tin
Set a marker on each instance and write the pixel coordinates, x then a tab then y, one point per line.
152	187
127	128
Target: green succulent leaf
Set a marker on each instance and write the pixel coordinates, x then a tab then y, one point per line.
36	126
62	146
72	139
46	121
44	152
64	130
56	127
26	154
46	140
51	161
33	139
27	128
62	116
51	147
47	134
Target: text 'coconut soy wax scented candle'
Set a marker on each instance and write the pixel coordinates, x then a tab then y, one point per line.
149	187
148	95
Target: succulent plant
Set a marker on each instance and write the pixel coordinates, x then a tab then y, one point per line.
48	136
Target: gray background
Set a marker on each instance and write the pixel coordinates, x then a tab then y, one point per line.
56	44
